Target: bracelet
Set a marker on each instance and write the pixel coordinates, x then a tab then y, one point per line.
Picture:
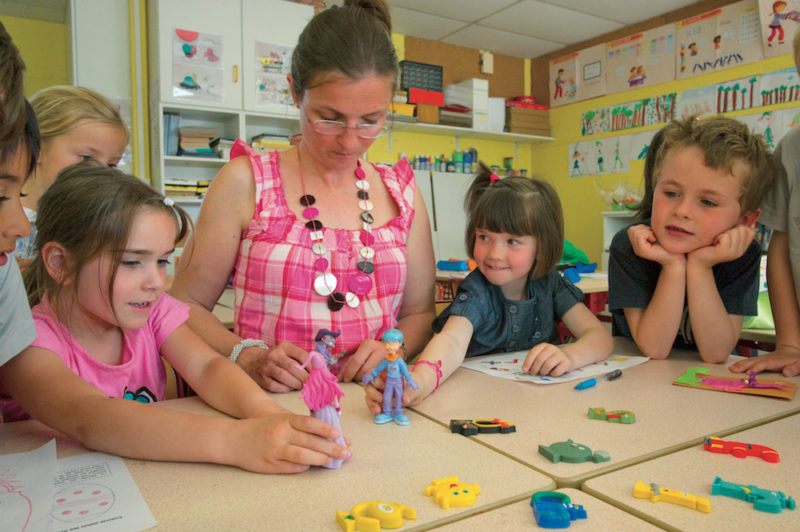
244	344
437	367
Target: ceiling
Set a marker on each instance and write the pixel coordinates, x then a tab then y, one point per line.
520	28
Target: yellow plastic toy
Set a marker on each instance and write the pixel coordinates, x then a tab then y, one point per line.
449	492
656	494
370	516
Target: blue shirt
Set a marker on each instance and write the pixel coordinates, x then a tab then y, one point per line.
502	325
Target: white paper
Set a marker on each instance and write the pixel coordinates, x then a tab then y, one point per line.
26	488
509	366
95	491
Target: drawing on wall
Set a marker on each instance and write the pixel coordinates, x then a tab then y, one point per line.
564	86
737	94
197	67
718	39
639	144
639	60
592	66
780	86
769	124
600	157
595	121
579	152
698	101
272	63
778	24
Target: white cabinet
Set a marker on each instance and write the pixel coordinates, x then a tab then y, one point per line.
613	222
449	221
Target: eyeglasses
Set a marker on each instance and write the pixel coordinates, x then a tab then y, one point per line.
336	127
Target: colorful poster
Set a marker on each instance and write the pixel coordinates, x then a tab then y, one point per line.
595	121
197	67
272	63
719	39
779	21
660	109
737	94
639	144
769	124
699	101
780	86
592	68
579	155
564	80
600	157
641	60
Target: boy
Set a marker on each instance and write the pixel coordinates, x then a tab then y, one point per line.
781	210
686	277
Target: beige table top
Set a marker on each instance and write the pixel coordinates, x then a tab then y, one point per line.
668	417
390	463
519	516
693	470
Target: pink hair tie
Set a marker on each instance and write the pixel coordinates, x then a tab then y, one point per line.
493	178
437	367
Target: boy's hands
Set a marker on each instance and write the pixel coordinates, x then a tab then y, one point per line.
281	443
783	360
646	246
727	246
547	359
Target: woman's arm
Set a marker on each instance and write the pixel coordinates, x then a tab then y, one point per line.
280	442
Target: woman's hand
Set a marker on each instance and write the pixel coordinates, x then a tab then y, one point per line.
366	358
282	443
275	369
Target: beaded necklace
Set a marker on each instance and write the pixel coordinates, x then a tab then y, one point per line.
325	283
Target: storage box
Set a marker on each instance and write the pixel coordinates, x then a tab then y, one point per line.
406	109
528	121
427	113
497	115
423	96
420	75
472	93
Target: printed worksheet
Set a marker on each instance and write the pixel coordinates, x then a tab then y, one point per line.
509	366
26	489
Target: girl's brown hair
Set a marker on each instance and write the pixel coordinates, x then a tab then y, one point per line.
353	40
517	206
89	210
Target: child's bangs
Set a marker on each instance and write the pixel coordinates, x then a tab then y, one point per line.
504	211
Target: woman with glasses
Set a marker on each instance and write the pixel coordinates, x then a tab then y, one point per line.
315	237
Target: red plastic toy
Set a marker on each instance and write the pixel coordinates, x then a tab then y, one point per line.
741	450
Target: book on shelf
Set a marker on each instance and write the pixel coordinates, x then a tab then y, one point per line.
171	124
186	188
195	140
267	142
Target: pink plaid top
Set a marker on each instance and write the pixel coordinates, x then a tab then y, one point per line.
274	296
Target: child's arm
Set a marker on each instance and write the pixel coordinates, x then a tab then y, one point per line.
281	442
785	312
449	346
714	330
655	327
593	344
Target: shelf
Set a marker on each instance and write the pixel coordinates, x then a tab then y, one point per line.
186	200
188	160
455	131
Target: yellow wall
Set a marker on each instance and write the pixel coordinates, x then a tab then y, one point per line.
579	197
43	46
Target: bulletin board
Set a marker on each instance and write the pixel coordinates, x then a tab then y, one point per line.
719	39
641	60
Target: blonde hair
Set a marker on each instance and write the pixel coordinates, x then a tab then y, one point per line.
61	108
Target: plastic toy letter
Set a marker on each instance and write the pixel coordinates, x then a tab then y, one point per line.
555	510
659	494
763	500
449	492
370	516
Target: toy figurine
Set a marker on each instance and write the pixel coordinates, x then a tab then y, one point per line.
396	369
321	392
327	340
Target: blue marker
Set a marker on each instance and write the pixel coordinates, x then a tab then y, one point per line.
585	384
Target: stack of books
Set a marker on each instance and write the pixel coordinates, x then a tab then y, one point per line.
222	146
268	142
195	141
180	187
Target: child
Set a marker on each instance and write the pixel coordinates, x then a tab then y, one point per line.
687	277
12	97
17	158
75	124
780	210
102	319
514	299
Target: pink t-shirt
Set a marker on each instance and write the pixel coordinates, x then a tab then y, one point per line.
274	297
140	376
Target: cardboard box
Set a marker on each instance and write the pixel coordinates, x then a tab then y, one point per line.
497	115
423	96
472	93
518	117
539	132
406	109
427	113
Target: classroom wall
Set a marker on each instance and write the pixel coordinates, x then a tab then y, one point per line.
45	62
581	202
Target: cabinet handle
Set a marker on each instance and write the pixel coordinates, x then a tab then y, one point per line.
236	73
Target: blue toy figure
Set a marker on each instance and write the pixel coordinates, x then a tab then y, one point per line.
396	369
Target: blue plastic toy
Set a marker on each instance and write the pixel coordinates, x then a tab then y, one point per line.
453	265
554	510
588	383
763	500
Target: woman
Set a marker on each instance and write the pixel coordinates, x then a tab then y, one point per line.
315	237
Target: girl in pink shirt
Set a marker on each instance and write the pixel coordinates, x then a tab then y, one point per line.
103	321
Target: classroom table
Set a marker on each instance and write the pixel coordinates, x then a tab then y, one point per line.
693	470
668	417
600	515
389	463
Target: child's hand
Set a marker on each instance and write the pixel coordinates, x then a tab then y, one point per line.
727	246
373	395
547	359
647	247
282	443
786	361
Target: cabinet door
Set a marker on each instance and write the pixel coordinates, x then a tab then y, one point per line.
200	65
448	191
270	29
